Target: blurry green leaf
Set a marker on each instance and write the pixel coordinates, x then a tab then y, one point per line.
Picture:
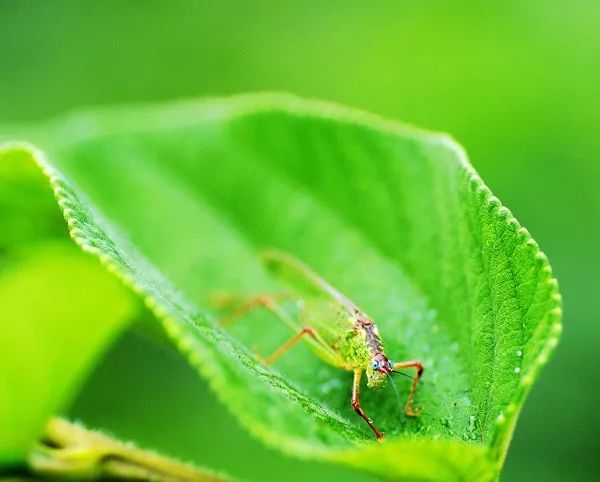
53	324
393	216
59	309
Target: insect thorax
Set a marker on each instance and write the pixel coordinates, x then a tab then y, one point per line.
354	349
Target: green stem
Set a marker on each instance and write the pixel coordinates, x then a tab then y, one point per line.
70	450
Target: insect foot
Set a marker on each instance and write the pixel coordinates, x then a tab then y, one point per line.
413	412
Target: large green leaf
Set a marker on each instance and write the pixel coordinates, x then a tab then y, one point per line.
393	216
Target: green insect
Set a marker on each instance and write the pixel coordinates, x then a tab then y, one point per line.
337	331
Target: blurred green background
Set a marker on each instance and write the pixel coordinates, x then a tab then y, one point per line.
517	83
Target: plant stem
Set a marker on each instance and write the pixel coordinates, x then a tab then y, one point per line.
70	450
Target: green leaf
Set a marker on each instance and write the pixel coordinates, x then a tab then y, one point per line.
45	293
393	216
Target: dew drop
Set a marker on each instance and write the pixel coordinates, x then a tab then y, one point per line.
519	353
517	370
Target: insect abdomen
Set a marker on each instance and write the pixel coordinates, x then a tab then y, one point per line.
371	336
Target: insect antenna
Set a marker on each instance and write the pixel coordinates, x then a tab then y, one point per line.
421	382
395	388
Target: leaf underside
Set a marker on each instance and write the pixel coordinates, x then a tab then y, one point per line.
178	201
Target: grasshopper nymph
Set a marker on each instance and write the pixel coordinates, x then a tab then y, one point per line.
338	332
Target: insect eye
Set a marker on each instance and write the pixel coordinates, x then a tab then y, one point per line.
375	365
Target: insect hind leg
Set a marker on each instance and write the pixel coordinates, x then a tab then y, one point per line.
269	302
236	307
307	330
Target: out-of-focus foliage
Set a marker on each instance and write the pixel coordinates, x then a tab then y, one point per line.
517	83
59	308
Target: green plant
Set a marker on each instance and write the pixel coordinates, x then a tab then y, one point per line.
177	201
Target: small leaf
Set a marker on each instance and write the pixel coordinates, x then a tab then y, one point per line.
394	217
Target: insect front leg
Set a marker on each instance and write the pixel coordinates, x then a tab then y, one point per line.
409	410
356	403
